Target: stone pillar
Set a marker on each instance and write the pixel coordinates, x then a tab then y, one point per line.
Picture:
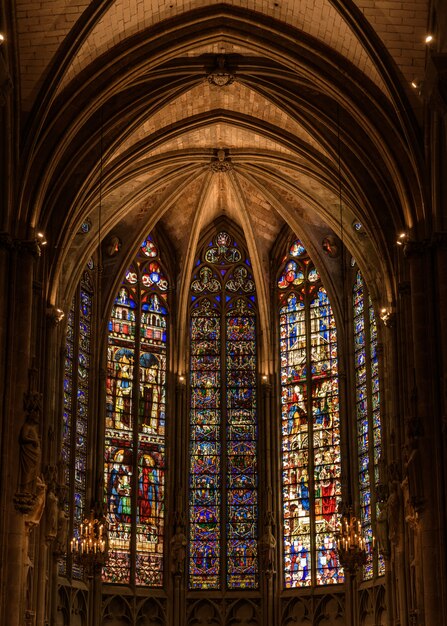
17	360
424	464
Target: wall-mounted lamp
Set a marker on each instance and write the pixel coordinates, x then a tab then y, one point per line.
41	239
402	239
55	315
387	316
2	38
428	38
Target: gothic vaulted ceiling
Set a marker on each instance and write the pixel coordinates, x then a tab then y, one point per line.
294	112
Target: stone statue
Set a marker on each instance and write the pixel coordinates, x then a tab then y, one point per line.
267	546
178	551
51	516
393	510
382	529
62	532
30	452
33	517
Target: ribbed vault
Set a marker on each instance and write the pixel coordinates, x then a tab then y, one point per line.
128	137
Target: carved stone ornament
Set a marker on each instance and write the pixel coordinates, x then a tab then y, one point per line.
33	516
178	545
220	76
51	516
221	163
112	245
62	533
29	455
267	546
331	247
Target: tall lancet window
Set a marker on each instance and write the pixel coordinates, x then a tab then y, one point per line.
369	436
134	470
223	507
77	374
310	423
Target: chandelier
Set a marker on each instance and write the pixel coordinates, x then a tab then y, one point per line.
351	544
90	544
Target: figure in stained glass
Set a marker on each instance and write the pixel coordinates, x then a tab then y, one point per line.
135	422
310	422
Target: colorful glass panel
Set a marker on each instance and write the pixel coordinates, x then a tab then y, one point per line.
241	446
77	368
368	417
311	461
223	420
205	448
135	423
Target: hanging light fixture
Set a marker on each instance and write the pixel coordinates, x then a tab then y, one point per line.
351	545
90	544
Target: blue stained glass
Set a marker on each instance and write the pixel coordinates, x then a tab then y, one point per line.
310	425
134	478
231	320
368	416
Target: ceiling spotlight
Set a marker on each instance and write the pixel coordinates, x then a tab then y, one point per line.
428	38
415	84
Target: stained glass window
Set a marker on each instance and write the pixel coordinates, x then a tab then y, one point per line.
134	470
367	397
311	463
223	419
77	368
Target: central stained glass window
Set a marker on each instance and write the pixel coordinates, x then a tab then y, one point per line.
310	424
223	511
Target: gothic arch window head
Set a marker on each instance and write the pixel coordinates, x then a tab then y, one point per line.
369	432
223	495
134	468
76	407
310	421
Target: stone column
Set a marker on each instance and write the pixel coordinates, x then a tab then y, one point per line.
424	464
19	476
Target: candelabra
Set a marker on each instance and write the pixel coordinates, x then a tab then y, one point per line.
90	545
351	544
